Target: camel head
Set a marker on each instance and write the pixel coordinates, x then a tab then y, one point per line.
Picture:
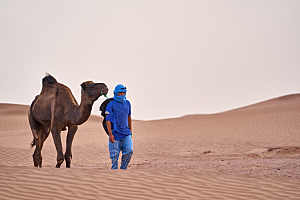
92	91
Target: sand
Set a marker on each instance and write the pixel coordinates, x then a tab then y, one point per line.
247	153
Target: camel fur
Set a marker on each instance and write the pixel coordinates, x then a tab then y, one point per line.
54	110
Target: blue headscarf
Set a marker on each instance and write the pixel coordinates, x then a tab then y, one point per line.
120	88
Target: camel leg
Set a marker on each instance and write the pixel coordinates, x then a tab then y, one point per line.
68	155
58	146
36	133
37	152
37	155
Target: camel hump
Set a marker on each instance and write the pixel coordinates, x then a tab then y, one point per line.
49	80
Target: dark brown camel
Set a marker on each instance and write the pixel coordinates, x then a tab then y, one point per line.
55	109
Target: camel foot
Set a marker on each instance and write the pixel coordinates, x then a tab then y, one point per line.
59	163
37	161
68	161
37	164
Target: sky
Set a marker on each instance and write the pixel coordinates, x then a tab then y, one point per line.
176	57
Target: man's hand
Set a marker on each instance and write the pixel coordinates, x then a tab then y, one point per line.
111	138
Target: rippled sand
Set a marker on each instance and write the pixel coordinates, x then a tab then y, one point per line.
247	153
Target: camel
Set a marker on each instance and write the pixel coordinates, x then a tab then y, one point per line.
54	110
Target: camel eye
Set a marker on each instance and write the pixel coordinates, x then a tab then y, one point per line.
87	85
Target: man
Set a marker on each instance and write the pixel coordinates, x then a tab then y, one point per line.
119	127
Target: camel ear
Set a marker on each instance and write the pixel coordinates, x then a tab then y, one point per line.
83	86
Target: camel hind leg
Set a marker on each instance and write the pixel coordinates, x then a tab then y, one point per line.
35	126
38	142
39	137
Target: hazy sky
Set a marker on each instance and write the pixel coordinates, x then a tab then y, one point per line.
176	57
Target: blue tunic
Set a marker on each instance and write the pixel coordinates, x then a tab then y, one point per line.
117	114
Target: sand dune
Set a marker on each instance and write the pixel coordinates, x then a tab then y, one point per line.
93	183
247	153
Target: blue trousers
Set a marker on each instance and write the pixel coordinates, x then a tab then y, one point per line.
124	145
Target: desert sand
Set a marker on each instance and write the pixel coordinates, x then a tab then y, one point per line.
247	153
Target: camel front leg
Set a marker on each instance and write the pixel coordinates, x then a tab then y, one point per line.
57	142
68	155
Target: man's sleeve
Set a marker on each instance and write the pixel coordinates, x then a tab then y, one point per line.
108	112
129	105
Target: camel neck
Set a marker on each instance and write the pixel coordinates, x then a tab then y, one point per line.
84	111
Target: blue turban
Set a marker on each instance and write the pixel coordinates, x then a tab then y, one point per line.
120	88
